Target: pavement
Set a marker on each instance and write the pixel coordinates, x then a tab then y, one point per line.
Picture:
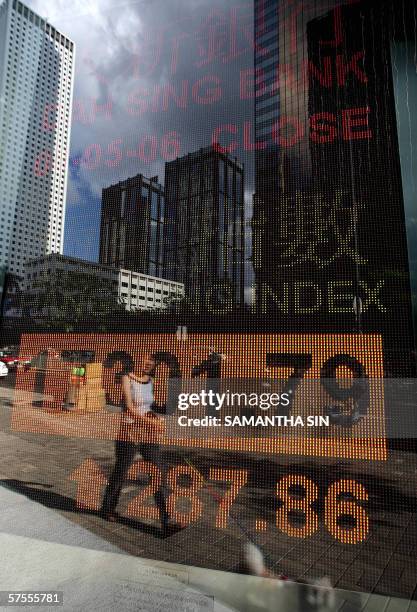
53	554
48	540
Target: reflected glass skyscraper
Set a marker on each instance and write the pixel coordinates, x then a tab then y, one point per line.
204	227
132	225
328	173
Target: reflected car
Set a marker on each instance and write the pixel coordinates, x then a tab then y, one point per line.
4	370
13	360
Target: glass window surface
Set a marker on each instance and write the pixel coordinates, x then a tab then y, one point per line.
208	297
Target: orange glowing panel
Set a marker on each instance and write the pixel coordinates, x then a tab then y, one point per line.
41	391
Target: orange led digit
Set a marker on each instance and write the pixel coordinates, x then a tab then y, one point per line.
292	503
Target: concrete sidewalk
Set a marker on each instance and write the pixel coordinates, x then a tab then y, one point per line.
21	516
42	550
44	536
46	551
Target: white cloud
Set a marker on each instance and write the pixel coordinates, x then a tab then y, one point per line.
108	37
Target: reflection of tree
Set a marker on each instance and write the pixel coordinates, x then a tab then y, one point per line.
65	299
13	282
178	305
11	287
218	296
221	294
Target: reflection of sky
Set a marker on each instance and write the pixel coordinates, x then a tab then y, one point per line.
172	40
82	218
128	50
405	86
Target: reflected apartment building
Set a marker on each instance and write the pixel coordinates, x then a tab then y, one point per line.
134	290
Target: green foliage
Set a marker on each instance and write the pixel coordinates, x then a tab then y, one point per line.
63	300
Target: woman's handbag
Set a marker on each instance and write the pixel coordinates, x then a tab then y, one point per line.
139	431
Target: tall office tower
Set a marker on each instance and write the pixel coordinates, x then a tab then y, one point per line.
282	157
36	83
329	209
204	228
132	223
